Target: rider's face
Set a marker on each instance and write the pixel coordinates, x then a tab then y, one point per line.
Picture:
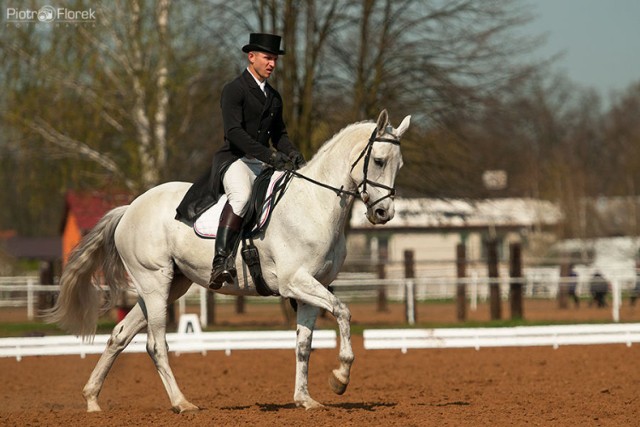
262	64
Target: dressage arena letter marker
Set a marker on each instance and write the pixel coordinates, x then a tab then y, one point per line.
189	324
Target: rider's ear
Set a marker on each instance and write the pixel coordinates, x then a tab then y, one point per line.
403	126
383	120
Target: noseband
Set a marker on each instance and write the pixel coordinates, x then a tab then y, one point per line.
362	194
366	153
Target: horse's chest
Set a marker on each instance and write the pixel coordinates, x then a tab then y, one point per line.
332	262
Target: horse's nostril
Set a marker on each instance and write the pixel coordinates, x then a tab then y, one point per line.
381	213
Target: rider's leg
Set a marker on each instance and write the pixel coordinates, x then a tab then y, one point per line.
238	182
223	268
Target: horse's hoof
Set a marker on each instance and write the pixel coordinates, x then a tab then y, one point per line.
310	404
92	406
186	408
337	385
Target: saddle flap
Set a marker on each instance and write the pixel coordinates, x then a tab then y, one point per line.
206	225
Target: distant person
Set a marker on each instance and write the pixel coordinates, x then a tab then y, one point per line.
599	288
572	286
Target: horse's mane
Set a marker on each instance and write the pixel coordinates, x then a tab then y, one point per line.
326	146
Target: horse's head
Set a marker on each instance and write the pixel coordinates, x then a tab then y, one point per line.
376	166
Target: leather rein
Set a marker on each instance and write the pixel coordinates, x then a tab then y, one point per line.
362	194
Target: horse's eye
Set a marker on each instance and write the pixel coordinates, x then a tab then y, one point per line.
378	162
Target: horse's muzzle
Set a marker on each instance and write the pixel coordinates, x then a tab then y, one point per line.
379	215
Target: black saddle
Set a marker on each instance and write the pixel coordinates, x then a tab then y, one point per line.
251	223
251	226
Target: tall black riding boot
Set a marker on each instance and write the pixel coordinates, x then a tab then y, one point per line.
223	269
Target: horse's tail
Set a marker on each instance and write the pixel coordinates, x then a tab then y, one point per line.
80	300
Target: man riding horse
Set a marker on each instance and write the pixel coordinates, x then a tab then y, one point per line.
252	116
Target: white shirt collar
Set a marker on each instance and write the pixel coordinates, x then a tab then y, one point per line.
261	85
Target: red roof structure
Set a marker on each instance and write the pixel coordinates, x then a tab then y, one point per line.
89	207
83	210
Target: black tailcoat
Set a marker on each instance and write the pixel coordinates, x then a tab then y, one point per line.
250	120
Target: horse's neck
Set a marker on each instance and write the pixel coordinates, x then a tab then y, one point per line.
331	166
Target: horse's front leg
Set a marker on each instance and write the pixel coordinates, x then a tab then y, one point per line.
306	289
339	378
306	319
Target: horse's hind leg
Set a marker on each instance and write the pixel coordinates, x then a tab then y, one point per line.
121	336
155	307
306	318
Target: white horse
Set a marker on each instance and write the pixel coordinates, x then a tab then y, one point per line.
301	252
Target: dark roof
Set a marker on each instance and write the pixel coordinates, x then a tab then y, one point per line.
88	207
43	248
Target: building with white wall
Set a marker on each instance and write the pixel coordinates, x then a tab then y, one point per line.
432	228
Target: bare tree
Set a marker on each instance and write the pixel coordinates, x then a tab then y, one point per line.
133	100
117	76
127	103
427	56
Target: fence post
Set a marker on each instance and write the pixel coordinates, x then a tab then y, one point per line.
46	299
203	306
382	289
240	304
615	304
211	308
563	287
461	288
473	304
515	285
494	285
410	292
30	299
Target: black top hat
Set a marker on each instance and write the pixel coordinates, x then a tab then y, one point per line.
261	42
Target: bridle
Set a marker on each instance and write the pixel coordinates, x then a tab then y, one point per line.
366	153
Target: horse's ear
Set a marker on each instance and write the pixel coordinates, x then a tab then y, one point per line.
403	126
383	120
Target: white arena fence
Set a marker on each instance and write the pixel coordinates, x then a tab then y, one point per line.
23	291
349	287
374	339
188	339
519	336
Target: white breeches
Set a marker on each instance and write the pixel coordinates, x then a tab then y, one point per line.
238	182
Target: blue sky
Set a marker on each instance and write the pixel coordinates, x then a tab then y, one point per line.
600	40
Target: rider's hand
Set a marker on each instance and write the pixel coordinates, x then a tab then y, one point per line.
280	161
297	159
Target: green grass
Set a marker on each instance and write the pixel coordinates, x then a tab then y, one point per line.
36	329
29	329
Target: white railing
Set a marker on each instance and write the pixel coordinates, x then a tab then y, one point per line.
23	291
197	342
374	339
556	335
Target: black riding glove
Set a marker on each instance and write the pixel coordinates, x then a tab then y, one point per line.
280	161
297	159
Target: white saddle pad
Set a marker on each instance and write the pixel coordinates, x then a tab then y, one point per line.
207	224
